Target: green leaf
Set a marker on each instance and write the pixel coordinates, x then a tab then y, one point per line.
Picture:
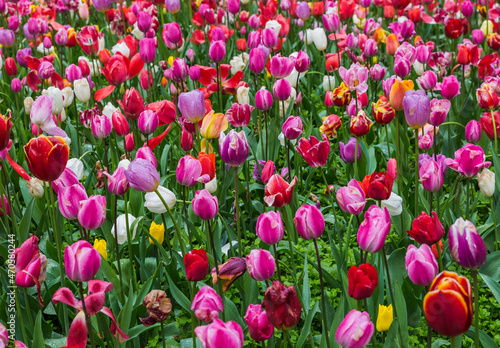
306	329
391	341
178	295
38	341
401	313
493	285
490	267
440	342
485	340
24	226
345	282
496	163
306	289
396	263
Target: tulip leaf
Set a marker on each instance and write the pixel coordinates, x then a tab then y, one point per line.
178	295
306	289
231	312
401	313
440	342
306	329
486	341
496	163
490	267
396	263
493	285
345	282
391	340
38	341
24	226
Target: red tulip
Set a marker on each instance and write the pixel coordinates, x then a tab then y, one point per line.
448	304
278	192
360	124
363	281
196	263
315	152
426	229
282	306
486	122
46	157
378	185
88	39
132	103
5	126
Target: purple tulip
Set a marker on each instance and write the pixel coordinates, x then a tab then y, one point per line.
374	229
355	331
473	131
468	160
270	227
207	304
147	50
189	171
421	264
13	23
303	11
260	264
146	153
259	327
269	38
347	151
117	183
292	127
69	199
173	6
309	222
204	205
263	100
148	122
352	198
431	175
92	213
192	105
102	5
371	48
219	334
81	261
144	21
233	147
7	37
417	107
179	70
377	72
466	245
142	175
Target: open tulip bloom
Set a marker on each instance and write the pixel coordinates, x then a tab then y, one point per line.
178	165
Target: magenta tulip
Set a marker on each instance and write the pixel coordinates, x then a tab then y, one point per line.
421	264
260	264
292	127
431	175
468	160
101	126
148	122
69	199
189	172
205	205
92	212
81	261
473	131
207	304
374	229
259	327
233	147
117	183
450	87
352	198
355	331
219	334
309	222
263	100
466	244
270	227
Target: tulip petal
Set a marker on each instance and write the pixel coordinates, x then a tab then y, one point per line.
104	92
77	335
64	295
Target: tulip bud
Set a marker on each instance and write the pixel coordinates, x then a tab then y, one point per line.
466	245
129	142
233	148
81	261
142	175
82	90
363	281
196	265
259	327
148	122
385	317
205	205
35	187
16	85
120	124
256	60
269	38
473	131
263	100
217	51
355	330
421	264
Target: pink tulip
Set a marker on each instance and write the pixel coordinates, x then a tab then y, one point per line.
260	264
189	172
217	51
355	331
101	126
263	100
77	335
148	122
256	60
352	198
30	265
259	327
81	261
239	114
292	127
220	335
269	38
207	304
355	77
428	80
67	179
439	111
282	90
468	160
270	227
117	183
92	212
309	222
421	264
431	175
69	199
473	131
205	205
280	67
450	87
146	153
374	229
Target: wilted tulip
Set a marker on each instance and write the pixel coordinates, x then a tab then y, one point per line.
282	306
234	268
363	281
260	264
158	307
30	266
81	261
355	331
448	304
466	245
421	264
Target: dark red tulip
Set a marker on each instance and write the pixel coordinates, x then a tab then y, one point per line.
46	157
196	263
427	229
363	281
282	306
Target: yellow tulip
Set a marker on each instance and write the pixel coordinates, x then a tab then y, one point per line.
170	61
157	231
385	317
398	91
213	124
100	246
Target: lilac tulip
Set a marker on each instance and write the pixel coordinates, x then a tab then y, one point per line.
142	175
417	107
192	105
348	151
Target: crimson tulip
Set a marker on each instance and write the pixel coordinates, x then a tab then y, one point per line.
426	229
5	126
46	157
132	103
282	306
278	192
196	264
315	152
363	281
491	128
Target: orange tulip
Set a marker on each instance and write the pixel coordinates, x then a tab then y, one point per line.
213	123
448	304
5	126
391	44
207	164
398	91
47	157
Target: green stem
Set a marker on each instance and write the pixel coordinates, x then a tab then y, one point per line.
177	230
467	189
219	283
440	257
330	194
494	131
87	318
416	172
163	336
356	160
388	144
28	309
129	242
277	262
323	297
453	344
237	208
117	248
294	275
495	224
476	308
388	278
193	318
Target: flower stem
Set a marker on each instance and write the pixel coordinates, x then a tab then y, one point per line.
388	144
177	230
416	172
193	318
440	257
494	132
495	224
453	344
118	261
388	278
219	284
330	194
237	208
356	160
323	297
87	318
186	213
129	242
292	257
277	262
476	308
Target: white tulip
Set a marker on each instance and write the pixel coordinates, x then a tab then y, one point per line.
121	48
393	204
124	163
237	64
28	101
242	95
82	90
328	83
121	228
274	24
486	181
108	110
67	94
76	166
35	187
211	186
154	203
57	99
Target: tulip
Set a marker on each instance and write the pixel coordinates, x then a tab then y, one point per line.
292	128
360	124
486	181
192	105
213	124
196	265
374	229
132	104
148	122
417	107
30	266
421	264
477	36
355	77
269	38
147	49
234	268
377	72
217	51
5	126
69	199
146	153
431	175
466	245
81	261
260	264
318	37
468	160
282	306
355	331
81	88
439	111
330	125
16	85
309	222
278	192
35	187
256	60
314	152
204	205
121	228
263	100
450	87
46	156
378	185
397	93
351	199
120	124
363	281
427	81
117	183
239	114
383	113
220	334
142	175
158	307
189	172
491	126
473	131
155	204
282	90
66	179
259	327
426	229
371	48
385	317
101	126
233	148
270	227
448	304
